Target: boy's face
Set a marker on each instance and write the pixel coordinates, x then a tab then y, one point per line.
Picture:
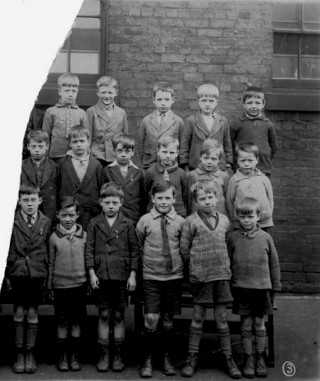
163	201
106	94
248	221
79	145
68	217
210	161
37	149
167	155
29	203
110	205
68	95
253	106
247	162
206	201
123	155
207	104
163	100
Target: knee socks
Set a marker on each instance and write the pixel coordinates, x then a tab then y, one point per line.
225	341
260	340
195	334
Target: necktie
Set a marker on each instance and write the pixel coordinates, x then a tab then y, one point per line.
165	243
166	176
162	116
29	222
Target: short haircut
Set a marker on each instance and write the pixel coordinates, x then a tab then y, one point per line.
165	140
125	139
78	130
111	189
208	90
162	86
68	80
210	145
39	136
107	81
163	186
253	92
68	202
27	189
248	205
208	186
247	147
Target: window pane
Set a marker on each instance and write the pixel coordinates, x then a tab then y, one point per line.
287	15
60	63
285	67
85	39
85	63
311	16
90	8
310	45
310	67
285	43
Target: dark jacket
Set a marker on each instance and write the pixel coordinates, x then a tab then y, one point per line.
28	252
112	251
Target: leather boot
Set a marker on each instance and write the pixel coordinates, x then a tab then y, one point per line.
168	368
146	369
261	368
190	366
232	368
248	366
103	364
62	363
74	357
117	362
19	366
32	332
31	366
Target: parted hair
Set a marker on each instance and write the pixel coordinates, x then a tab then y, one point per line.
125	139
247	147
78	130
162	86
67	202
207	186
27	189
163	186
107	81
68	80
210	145
38	135
111	189
248	205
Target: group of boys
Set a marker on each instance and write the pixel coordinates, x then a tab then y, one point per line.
87	212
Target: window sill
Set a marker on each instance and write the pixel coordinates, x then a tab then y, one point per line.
290	99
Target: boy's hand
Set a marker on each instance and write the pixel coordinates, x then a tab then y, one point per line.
7	284
94	280
51	295
132	282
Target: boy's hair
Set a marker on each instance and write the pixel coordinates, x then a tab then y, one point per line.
111	189
208	90
68	80
39	136
163	186
204	185
68	202
211	145
253	92
247	147
27	189
165	140
125	139
248	205
162	86
107	81
78	130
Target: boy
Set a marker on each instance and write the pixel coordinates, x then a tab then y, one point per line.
112	259
255	277
128	176
255	127
248	181
208	169
26	272
80	175
162	270
67	278
206	123
203	247
40	171
59	119
166	169
106	120
162	122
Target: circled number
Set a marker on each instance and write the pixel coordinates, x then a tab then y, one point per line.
288	368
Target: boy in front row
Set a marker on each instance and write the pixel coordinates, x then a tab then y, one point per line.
162	272
255	278
26	273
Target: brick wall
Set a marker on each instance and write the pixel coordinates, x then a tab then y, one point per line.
228	43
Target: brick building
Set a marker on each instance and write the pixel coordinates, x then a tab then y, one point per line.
229	43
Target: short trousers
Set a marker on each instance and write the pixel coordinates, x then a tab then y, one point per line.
162	296
251	302
111	294
216	292
27	292
70	305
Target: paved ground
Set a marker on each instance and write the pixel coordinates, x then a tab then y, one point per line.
297	334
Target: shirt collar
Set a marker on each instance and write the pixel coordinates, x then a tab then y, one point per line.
155	214
61	105
38	163
107	108
81	159
115	164
26	217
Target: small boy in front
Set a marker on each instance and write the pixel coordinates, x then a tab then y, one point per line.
249	181
203	247
26	273
59	119
208	169
205	123
167	169
40	171
162	271
253	126
112	259
128	176
162	122
67	282
106	120
255	278
80	175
